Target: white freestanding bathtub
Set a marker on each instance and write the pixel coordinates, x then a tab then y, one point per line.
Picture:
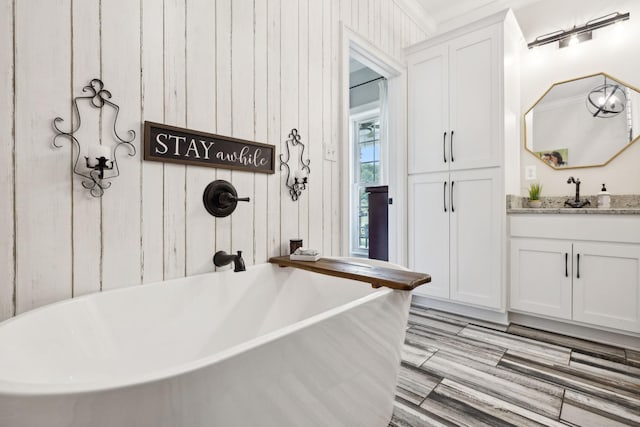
267	347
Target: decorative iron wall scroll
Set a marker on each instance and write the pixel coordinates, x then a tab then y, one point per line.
100	163
297	178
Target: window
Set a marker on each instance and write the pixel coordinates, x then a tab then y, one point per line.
366	172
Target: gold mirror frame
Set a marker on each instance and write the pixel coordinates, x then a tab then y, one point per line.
524	119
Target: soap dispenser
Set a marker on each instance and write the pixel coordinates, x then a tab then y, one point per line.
604	198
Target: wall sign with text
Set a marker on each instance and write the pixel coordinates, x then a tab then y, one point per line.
163	143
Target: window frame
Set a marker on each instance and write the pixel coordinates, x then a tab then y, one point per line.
358	115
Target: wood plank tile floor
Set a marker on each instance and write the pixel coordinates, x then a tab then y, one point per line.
458	371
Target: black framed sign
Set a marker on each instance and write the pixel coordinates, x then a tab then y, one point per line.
163	143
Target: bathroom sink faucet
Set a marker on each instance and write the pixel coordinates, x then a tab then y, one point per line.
221	258
577	203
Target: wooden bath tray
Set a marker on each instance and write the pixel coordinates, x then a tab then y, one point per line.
377	276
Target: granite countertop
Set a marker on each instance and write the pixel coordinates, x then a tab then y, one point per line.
620	205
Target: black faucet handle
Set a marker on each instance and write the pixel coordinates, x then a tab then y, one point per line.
238	264
226	199
220	198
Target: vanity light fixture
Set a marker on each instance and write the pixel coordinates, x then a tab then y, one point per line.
578	34
100	163
298	182
607	100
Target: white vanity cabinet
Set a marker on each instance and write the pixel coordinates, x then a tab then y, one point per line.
541	274
584	268
463	109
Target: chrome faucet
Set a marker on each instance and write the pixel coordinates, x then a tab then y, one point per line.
577	203
221	258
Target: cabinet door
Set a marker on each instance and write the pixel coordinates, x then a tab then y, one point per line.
606	285
541	272
428	200
428	111
475	99
477	207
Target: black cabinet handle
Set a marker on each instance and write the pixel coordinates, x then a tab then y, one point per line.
451	151
444	147
578	266
451	197
566	264
444	196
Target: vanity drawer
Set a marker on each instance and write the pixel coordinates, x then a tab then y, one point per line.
593	227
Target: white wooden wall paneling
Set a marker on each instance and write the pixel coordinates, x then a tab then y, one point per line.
406	30
174	175
242	68
289	113
274	82
250	69
385	8
326	126
42	180
224	104
354	19
315	135
87	210
152	174
397	31
363	18
335	126
345	12
303	113
260	117
377	21
7	272
121	202
201	115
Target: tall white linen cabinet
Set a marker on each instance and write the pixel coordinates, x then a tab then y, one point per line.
463	158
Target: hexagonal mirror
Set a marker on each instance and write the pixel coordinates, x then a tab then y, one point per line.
583	122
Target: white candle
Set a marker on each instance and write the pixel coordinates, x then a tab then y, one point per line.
299	175
97	151
104	151
91	160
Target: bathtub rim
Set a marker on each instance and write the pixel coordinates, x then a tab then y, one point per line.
16	389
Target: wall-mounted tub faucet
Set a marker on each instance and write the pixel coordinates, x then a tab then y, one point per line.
577	203
221	258
220	198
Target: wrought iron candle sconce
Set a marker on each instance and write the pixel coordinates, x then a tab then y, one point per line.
101	164
298	182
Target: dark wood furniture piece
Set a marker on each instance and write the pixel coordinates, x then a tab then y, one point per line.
378	222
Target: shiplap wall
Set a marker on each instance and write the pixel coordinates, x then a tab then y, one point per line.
251	69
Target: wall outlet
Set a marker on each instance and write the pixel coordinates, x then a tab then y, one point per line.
530	172
330	152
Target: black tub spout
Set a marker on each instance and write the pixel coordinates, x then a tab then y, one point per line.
221	258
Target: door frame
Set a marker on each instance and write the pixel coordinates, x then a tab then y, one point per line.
356	46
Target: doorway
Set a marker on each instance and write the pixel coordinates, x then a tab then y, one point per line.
373	118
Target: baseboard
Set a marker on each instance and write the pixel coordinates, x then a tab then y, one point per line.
463	310
611	337
626	340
